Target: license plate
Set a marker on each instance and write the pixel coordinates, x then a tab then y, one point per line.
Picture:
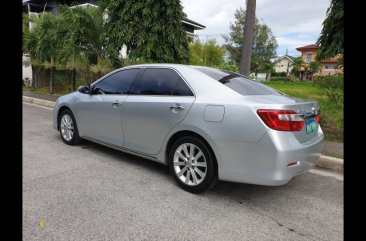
310	126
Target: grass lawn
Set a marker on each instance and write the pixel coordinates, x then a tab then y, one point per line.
298	89
59	90
331	115
43	90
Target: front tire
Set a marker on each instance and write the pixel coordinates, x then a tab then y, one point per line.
68	128
192	164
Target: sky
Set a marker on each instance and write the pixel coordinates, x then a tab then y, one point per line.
294	23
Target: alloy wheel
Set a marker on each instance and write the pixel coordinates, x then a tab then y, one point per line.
67	127
190	164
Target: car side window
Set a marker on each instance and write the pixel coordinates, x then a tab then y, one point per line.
117	83
161	82
182	89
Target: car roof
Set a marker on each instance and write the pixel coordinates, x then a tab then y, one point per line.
201	83
162	65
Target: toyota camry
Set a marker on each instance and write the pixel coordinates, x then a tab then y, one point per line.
206	124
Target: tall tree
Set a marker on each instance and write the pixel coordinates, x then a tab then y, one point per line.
246	56
151	30
331	38
264	43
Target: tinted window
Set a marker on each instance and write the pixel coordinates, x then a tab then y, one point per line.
238	83
213	73
249	87
117	83
182	89
161	82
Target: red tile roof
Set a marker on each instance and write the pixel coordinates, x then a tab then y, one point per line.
307	47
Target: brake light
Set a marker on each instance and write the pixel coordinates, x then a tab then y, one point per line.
317	118
281	120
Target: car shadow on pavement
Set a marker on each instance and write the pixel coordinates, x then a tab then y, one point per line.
242	192
125	157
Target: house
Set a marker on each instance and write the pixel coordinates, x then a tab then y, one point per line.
227	56
190	26
329	66
326	67
284	64
34	7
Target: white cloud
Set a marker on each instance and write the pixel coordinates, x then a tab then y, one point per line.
293	22
291	45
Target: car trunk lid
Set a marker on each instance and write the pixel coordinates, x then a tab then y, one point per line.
302	109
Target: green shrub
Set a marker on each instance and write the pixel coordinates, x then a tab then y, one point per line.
332	87
229	67
279	74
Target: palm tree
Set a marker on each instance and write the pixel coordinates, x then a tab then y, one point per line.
42	43
75	36
268	68
314	67
248	38
298	62
84	37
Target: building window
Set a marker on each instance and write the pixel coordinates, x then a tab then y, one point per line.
308	57
329	66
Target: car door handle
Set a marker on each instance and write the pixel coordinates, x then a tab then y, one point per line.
116	103
176	107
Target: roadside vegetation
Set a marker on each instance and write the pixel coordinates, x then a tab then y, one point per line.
83	44
79	45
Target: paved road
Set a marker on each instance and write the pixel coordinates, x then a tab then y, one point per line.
90	192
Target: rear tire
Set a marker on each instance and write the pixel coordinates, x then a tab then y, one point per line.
192	164
68	128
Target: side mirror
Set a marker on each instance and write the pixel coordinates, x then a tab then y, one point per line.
84	89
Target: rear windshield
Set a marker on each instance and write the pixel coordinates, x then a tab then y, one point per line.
238	82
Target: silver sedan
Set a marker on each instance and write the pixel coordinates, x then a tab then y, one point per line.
206	124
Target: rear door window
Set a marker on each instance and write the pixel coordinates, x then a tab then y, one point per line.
161	82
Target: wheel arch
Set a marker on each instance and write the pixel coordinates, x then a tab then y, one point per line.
60	110
184	133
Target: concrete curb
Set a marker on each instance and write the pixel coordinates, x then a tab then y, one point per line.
331	163
326	162
41	102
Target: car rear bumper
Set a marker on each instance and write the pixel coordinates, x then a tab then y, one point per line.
266	162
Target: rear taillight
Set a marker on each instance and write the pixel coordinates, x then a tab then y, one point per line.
317	118
281	120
